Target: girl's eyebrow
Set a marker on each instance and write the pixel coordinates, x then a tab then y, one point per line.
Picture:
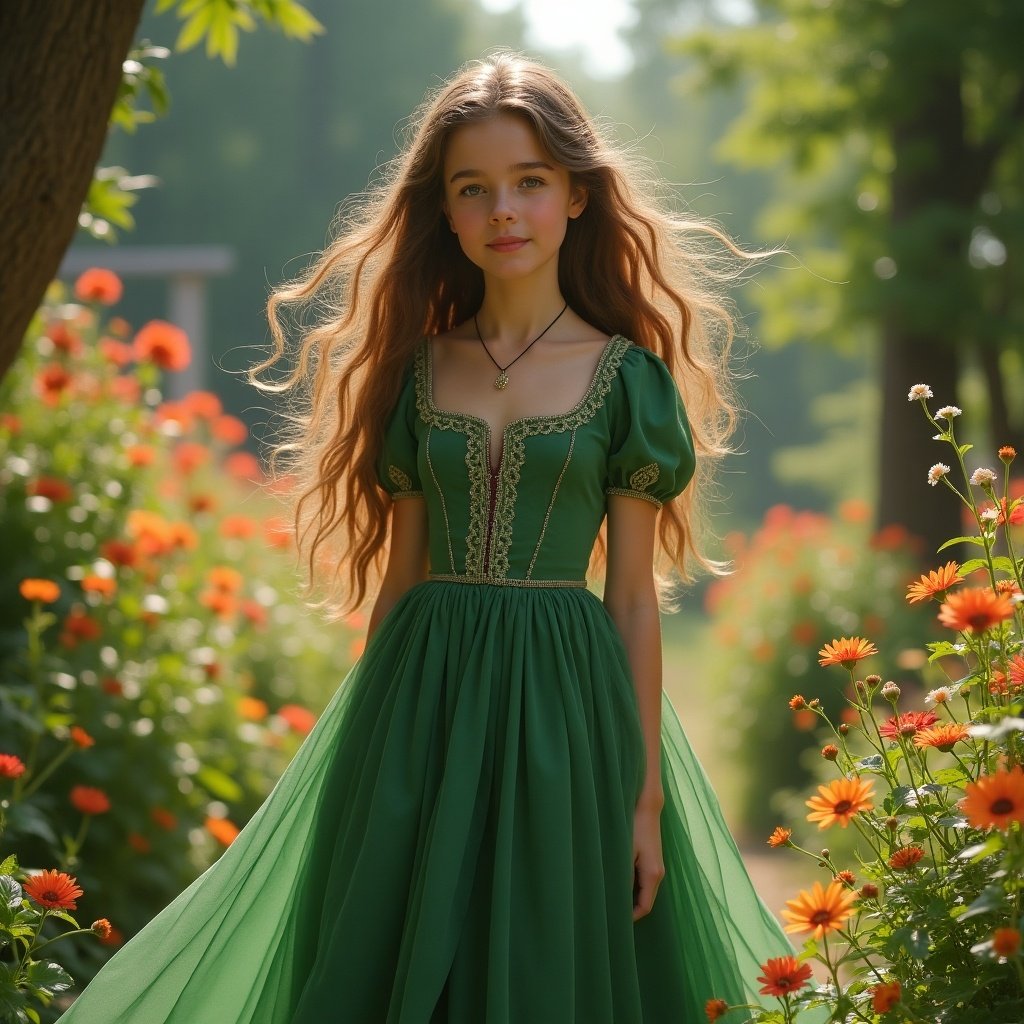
532	165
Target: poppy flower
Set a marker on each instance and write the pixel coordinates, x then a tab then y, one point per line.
820	910
839	801
53	889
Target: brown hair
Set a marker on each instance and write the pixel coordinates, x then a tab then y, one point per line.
395	272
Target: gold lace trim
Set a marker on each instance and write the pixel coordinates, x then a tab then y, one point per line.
503	581
634	494
400	479
644	477
406	494
478	448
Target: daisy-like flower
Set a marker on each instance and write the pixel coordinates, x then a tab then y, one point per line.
1005	942
820	910
990	515
885	996
715	1008
935	583
907	724
905	857
101	927
982	477
782	975
839	801
846	877
940	695
53	889
796	702
919	391
995	800
1007	453
1016	668
942	736
948	412
89	800
780	837
937	472
846	651
975	609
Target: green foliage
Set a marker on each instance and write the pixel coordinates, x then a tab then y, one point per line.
167	669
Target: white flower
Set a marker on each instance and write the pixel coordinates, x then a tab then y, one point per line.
990	515
891	692
947	412
919	391
939	696
936	473
982	476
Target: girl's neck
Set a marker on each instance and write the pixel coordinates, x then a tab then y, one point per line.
515	312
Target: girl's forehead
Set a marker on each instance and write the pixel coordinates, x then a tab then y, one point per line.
496	143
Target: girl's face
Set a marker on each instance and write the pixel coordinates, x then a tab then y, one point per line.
506	199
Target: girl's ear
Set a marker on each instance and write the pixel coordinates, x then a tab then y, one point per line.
577	200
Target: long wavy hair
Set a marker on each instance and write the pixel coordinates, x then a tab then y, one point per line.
395	272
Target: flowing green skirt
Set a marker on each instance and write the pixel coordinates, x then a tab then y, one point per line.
453	842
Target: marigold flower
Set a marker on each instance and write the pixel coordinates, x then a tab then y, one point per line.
299	718
885	996
942	736
846	651
975	609
780	837
11	766
97	284
995	800
935	583
905	857
839	801
54	889
1016	668
846	877
796	702
101	927
89	800
819	910
44	591
909	720
223	830
983	477
937	472
715	1008
81	738
1007	453
919	391
1005	941
830	751
164	344
782	975
948	412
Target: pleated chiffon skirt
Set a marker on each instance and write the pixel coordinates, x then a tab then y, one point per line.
453	842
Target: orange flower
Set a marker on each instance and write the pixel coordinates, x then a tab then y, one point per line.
1007	453
299	718
819	910
935	584
64	338
229	429
715	1008
846	877
796	702
99	585
907	724
163	818
1016	668
81	738
225	578
277	531
885	996
163	344
51	382
237	526
119	552
223	830
780	837
117	353
1005	941
252	708
53	889
89	800
905	857
101	927
839	801
98	284
139	843
11	766
995	800
203	404
44	591
975	609
189	456
50	487
220	602
846	651
942	736
254	612
782	975
244	466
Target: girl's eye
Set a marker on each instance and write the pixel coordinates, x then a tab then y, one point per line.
469	190
532	182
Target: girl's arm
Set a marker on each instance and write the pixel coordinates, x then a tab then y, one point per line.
407	556
632	602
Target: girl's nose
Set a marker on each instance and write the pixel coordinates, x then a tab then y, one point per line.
503	209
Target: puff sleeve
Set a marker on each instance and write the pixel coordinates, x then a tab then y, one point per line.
397	466
651	455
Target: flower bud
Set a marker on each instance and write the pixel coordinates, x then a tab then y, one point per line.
830	751
826	853
796	702
891	692
813	703
868	891
842	728
873	680
1007	454
892	823
860	686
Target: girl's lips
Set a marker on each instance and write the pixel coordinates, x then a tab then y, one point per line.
508	246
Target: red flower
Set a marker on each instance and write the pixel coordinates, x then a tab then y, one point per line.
229	429
98	285
715	1008
1005	941
164	344
299	718
11	766
204	404
64	338
50	487
905	857
120	552
885	996
163	818
244	466
89	800
907	724
51	382
101	927
782	975
81	738
53	889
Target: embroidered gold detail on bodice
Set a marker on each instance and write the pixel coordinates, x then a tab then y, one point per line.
642	478
400	479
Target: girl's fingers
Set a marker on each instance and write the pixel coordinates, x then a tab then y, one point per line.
645	888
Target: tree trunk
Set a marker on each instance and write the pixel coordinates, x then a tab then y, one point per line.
60	68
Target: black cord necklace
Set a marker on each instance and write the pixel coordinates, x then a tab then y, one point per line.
501	382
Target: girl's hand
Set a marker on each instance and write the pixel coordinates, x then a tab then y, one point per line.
648	866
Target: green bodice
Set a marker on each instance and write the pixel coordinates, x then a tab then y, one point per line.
533	520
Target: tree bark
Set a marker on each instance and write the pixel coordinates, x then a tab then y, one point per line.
60	68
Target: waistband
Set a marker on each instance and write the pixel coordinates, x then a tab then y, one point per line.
503	581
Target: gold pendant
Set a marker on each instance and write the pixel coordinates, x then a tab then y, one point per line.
502	382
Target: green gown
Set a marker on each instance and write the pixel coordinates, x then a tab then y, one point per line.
453	840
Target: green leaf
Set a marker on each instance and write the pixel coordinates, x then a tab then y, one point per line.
915	941
993	844
961	540
10	890
219	783
950	776
48	975
9	865
992	900
963	449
